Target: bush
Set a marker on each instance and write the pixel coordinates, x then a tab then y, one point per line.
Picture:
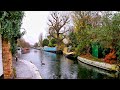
118	53
45	42
52	43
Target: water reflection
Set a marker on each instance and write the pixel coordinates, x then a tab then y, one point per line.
50	69
53	66
68	69
89	72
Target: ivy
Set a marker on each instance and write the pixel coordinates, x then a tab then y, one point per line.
10	22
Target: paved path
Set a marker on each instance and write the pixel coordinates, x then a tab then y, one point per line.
26	70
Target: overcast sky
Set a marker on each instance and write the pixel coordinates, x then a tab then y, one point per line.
34	22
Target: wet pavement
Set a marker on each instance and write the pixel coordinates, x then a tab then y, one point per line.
26	70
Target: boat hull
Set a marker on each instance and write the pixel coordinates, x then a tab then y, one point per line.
50	49
25	50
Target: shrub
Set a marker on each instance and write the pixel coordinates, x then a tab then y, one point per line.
45	42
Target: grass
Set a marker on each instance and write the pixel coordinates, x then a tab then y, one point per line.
90	57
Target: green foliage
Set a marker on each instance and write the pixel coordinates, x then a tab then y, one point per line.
13	46
83	41
52	42
116	33
51	45
45	42
73	39
106	32
118	54
109	35
84	33
10	22
117	48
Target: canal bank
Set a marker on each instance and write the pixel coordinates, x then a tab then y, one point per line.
25	70
103	65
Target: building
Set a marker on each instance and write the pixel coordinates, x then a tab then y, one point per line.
1	64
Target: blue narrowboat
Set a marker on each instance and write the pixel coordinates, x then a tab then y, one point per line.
50	49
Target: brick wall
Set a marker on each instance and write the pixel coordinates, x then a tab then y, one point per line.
7	60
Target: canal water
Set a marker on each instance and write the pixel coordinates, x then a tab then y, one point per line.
53	66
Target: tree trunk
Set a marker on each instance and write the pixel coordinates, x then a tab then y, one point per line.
58	45
7	59
58	42
88	50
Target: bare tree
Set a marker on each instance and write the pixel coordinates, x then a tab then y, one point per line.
22	43
36	44
57	28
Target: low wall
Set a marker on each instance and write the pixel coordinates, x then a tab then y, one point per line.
106	66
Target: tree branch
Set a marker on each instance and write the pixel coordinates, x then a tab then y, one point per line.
64	22
56	23
64	32
52	35
62	39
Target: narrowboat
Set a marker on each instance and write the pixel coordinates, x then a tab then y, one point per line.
25	50
49	49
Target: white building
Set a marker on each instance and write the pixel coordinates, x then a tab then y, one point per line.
65	41
1	65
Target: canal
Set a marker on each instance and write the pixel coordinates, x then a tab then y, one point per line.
53	66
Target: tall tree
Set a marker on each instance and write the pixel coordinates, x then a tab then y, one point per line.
109	35
22	43
40	39
85	23
36	44
57	23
